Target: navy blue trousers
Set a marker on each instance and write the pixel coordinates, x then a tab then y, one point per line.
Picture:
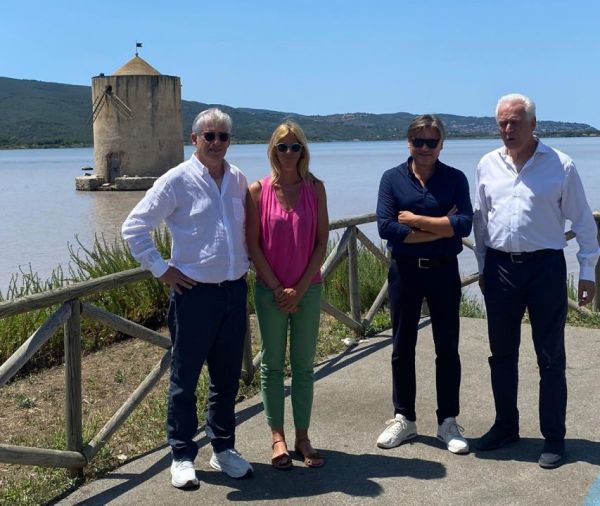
207	324
440	286
538	284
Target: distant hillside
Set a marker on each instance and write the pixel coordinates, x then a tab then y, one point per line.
40	114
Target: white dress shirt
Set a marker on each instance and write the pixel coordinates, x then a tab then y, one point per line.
526	210
206	224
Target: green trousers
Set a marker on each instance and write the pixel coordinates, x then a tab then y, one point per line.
303	331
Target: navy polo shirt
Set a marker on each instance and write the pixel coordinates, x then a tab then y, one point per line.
400	190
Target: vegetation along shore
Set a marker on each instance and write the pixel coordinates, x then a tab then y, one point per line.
37	114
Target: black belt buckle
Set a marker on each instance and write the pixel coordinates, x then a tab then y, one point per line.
423	263
517	258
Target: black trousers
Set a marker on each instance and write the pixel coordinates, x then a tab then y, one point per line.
440	286
207	324
538	284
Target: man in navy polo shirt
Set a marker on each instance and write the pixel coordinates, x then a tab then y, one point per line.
423	211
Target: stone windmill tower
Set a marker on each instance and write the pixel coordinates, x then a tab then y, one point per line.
138	135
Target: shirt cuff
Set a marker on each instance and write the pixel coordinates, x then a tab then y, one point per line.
158	268
587	273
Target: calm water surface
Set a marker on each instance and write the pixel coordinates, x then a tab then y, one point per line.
42	213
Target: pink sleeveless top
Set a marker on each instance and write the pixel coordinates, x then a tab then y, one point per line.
288	237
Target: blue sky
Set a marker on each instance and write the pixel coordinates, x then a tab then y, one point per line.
325	56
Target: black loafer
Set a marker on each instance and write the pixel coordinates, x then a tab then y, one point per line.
553	455
495	438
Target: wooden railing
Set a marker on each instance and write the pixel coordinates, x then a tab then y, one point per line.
77	454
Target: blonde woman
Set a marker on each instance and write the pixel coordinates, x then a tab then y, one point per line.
287	230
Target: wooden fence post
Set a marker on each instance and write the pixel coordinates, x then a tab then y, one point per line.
73	414
353	286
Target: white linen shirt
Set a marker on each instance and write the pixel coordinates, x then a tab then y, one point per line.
207	225
526	210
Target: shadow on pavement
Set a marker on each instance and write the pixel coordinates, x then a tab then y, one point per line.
344	473
529	449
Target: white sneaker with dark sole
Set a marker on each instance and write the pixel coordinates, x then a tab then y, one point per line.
231	463
183	474
399	429
449	432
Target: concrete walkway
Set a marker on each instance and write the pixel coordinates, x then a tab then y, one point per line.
352	402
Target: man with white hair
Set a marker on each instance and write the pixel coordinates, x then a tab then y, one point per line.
524	193
202	202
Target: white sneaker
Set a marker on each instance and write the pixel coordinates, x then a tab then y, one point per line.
231	463
450	433
399	429
183	474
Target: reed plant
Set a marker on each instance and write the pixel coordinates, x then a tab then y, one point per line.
143	302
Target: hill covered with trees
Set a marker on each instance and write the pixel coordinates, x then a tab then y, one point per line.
40	114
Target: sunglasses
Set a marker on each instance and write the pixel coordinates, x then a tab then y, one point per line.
430	143
211	136
294	148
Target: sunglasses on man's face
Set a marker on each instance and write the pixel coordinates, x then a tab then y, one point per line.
211	136
294	148
430	143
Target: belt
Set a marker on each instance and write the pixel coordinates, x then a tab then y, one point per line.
424	263
524	256
220	284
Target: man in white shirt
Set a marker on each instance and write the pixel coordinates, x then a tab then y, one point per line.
524	193
202	202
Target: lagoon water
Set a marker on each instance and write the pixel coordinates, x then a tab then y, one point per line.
42	213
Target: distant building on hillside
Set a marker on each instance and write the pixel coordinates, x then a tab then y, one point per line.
138	136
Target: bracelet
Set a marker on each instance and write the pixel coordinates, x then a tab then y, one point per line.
277	287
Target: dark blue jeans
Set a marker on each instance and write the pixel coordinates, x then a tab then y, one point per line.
537	284
207	324
440	285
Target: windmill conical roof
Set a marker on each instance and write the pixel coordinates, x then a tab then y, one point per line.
137	67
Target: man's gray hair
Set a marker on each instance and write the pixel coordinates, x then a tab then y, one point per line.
212	116
517	97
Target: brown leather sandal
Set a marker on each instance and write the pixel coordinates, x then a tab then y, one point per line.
283	461
311	459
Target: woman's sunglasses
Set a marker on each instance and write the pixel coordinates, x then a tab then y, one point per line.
430	143
294	148
211	136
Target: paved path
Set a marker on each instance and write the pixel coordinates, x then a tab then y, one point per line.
352	402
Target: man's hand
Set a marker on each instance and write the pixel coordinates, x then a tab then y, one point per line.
408	218
585	291
177	280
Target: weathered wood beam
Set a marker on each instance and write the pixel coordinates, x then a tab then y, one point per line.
29	456
74	291
341	317
73	409
377	303
336	255
470	279
127	408
123	325
353	283
352	221
24	352
367	243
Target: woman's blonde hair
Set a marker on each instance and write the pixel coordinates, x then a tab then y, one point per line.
289	127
